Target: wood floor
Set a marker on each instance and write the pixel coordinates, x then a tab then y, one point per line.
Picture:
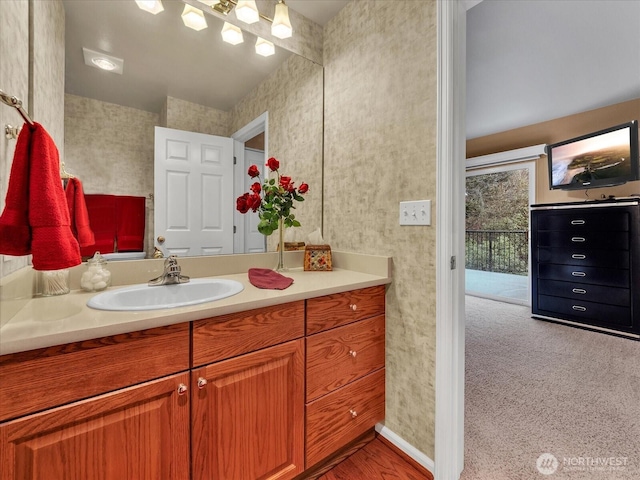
377	461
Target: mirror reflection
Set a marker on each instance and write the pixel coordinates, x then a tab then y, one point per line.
177	78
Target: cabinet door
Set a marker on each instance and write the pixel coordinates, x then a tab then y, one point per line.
248	418
137	433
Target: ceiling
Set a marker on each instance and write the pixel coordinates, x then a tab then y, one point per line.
529	61
164	58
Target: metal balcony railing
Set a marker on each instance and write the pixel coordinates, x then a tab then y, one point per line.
502	251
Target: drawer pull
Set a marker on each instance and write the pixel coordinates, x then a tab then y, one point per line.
182	389
353	307
578	222
578	274
580	291
578	256
202	382
579	308
352	353
578	239
353	413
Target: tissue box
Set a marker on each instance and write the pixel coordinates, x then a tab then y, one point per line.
317	257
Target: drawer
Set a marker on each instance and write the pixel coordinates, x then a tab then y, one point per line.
343	415
341	308
611	277
582	257
341	355
40	379
604	220
584	291
585	312
584	240
230	335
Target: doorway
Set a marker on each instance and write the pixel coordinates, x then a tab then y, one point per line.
497	203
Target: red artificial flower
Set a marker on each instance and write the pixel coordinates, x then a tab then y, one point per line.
273	164
253	171
256	187
241	203
303	188
254	201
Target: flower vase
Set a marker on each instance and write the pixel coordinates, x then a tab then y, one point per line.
281	267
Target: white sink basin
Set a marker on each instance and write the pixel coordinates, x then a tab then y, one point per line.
144	297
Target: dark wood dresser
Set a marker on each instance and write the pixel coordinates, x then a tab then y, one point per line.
585	264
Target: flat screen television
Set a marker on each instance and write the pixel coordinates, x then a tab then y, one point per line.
599	159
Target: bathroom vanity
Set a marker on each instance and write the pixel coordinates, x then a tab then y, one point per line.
270	392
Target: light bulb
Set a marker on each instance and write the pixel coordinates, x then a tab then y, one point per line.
281	26
231	34
264	47
247	11
193	18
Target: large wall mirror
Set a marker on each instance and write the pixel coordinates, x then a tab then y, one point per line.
182	79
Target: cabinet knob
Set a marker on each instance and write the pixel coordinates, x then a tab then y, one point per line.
353	307
578	274
578	239
202	382
579	308
353	413
353	353
578	222
578	256
182	389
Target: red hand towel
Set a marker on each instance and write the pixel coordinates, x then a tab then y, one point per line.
80	225
36	189
15	232
102	217
131	221
265	278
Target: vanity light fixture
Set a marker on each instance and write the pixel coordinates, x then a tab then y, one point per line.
151	6
264	47
231	34
103	61
209	3
193	18
281	26
247	11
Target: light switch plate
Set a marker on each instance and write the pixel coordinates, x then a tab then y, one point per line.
417	212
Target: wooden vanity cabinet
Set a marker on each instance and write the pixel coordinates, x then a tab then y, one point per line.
345	375
76	419
248	405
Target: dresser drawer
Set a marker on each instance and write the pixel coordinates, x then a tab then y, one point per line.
579	220
343	415
611	277
230	335
584	291
341	308
586	258
584	240
341	355
585	312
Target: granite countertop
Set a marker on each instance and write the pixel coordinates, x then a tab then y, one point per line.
48	321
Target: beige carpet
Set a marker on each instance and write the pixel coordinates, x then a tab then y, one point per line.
535	387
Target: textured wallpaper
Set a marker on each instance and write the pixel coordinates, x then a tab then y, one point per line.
110	149
293	98
183	115
45	101
380	149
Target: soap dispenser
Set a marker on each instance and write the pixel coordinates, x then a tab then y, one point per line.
97	277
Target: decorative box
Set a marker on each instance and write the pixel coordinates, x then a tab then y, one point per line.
317	257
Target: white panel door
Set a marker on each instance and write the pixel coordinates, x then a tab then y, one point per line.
193	193
254	241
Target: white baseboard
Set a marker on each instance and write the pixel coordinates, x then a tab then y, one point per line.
406	447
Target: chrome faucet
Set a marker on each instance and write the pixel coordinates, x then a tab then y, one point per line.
171	274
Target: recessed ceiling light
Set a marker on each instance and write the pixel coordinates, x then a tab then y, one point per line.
103	61
151	6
